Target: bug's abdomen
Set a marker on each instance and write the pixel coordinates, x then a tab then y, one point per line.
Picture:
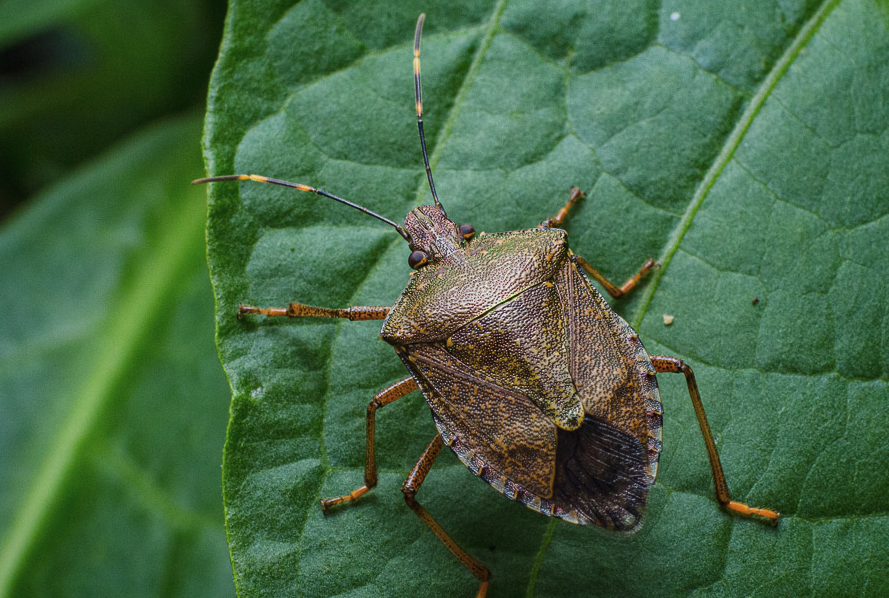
550	398
594	474
496	431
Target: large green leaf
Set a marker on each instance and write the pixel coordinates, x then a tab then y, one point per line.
743	144
112	403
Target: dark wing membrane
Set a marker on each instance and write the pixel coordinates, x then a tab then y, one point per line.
601	473
593	474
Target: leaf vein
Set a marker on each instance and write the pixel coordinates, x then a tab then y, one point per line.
732	143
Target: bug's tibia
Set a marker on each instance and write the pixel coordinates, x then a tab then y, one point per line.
556	221
382	398
610	287
300	310
410	488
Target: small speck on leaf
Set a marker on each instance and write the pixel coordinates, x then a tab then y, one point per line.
668	319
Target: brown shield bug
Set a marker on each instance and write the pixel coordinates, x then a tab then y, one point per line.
536	385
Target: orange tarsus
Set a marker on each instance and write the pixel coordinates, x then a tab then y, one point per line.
747	510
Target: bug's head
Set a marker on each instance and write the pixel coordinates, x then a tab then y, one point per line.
434	236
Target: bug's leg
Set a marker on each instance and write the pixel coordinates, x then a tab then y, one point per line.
556	221
666	364
384	397
410	488
300	310
616	291
613	290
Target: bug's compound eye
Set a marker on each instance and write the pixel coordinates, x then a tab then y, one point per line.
417	259
467	231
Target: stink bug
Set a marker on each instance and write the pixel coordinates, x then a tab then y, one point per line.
536	385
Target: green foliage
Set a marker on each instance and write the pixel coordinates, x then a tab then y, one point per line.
112	403
742	144
111	400
78	75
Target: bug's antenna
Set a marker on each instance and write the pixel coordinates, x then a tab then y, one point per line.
301	187
420	109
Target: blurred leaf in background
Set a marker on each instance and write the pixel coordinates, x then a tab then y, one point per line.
112	402
78	75
744	144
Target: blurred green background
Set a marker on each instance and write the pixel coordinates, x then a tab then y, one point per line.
113	405
77	76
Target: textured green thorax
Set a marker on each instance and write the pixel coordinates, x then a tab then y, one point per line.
448	294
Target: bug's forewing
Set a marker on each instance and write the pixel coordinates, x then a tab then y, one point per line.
523	344
610	368
502	427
